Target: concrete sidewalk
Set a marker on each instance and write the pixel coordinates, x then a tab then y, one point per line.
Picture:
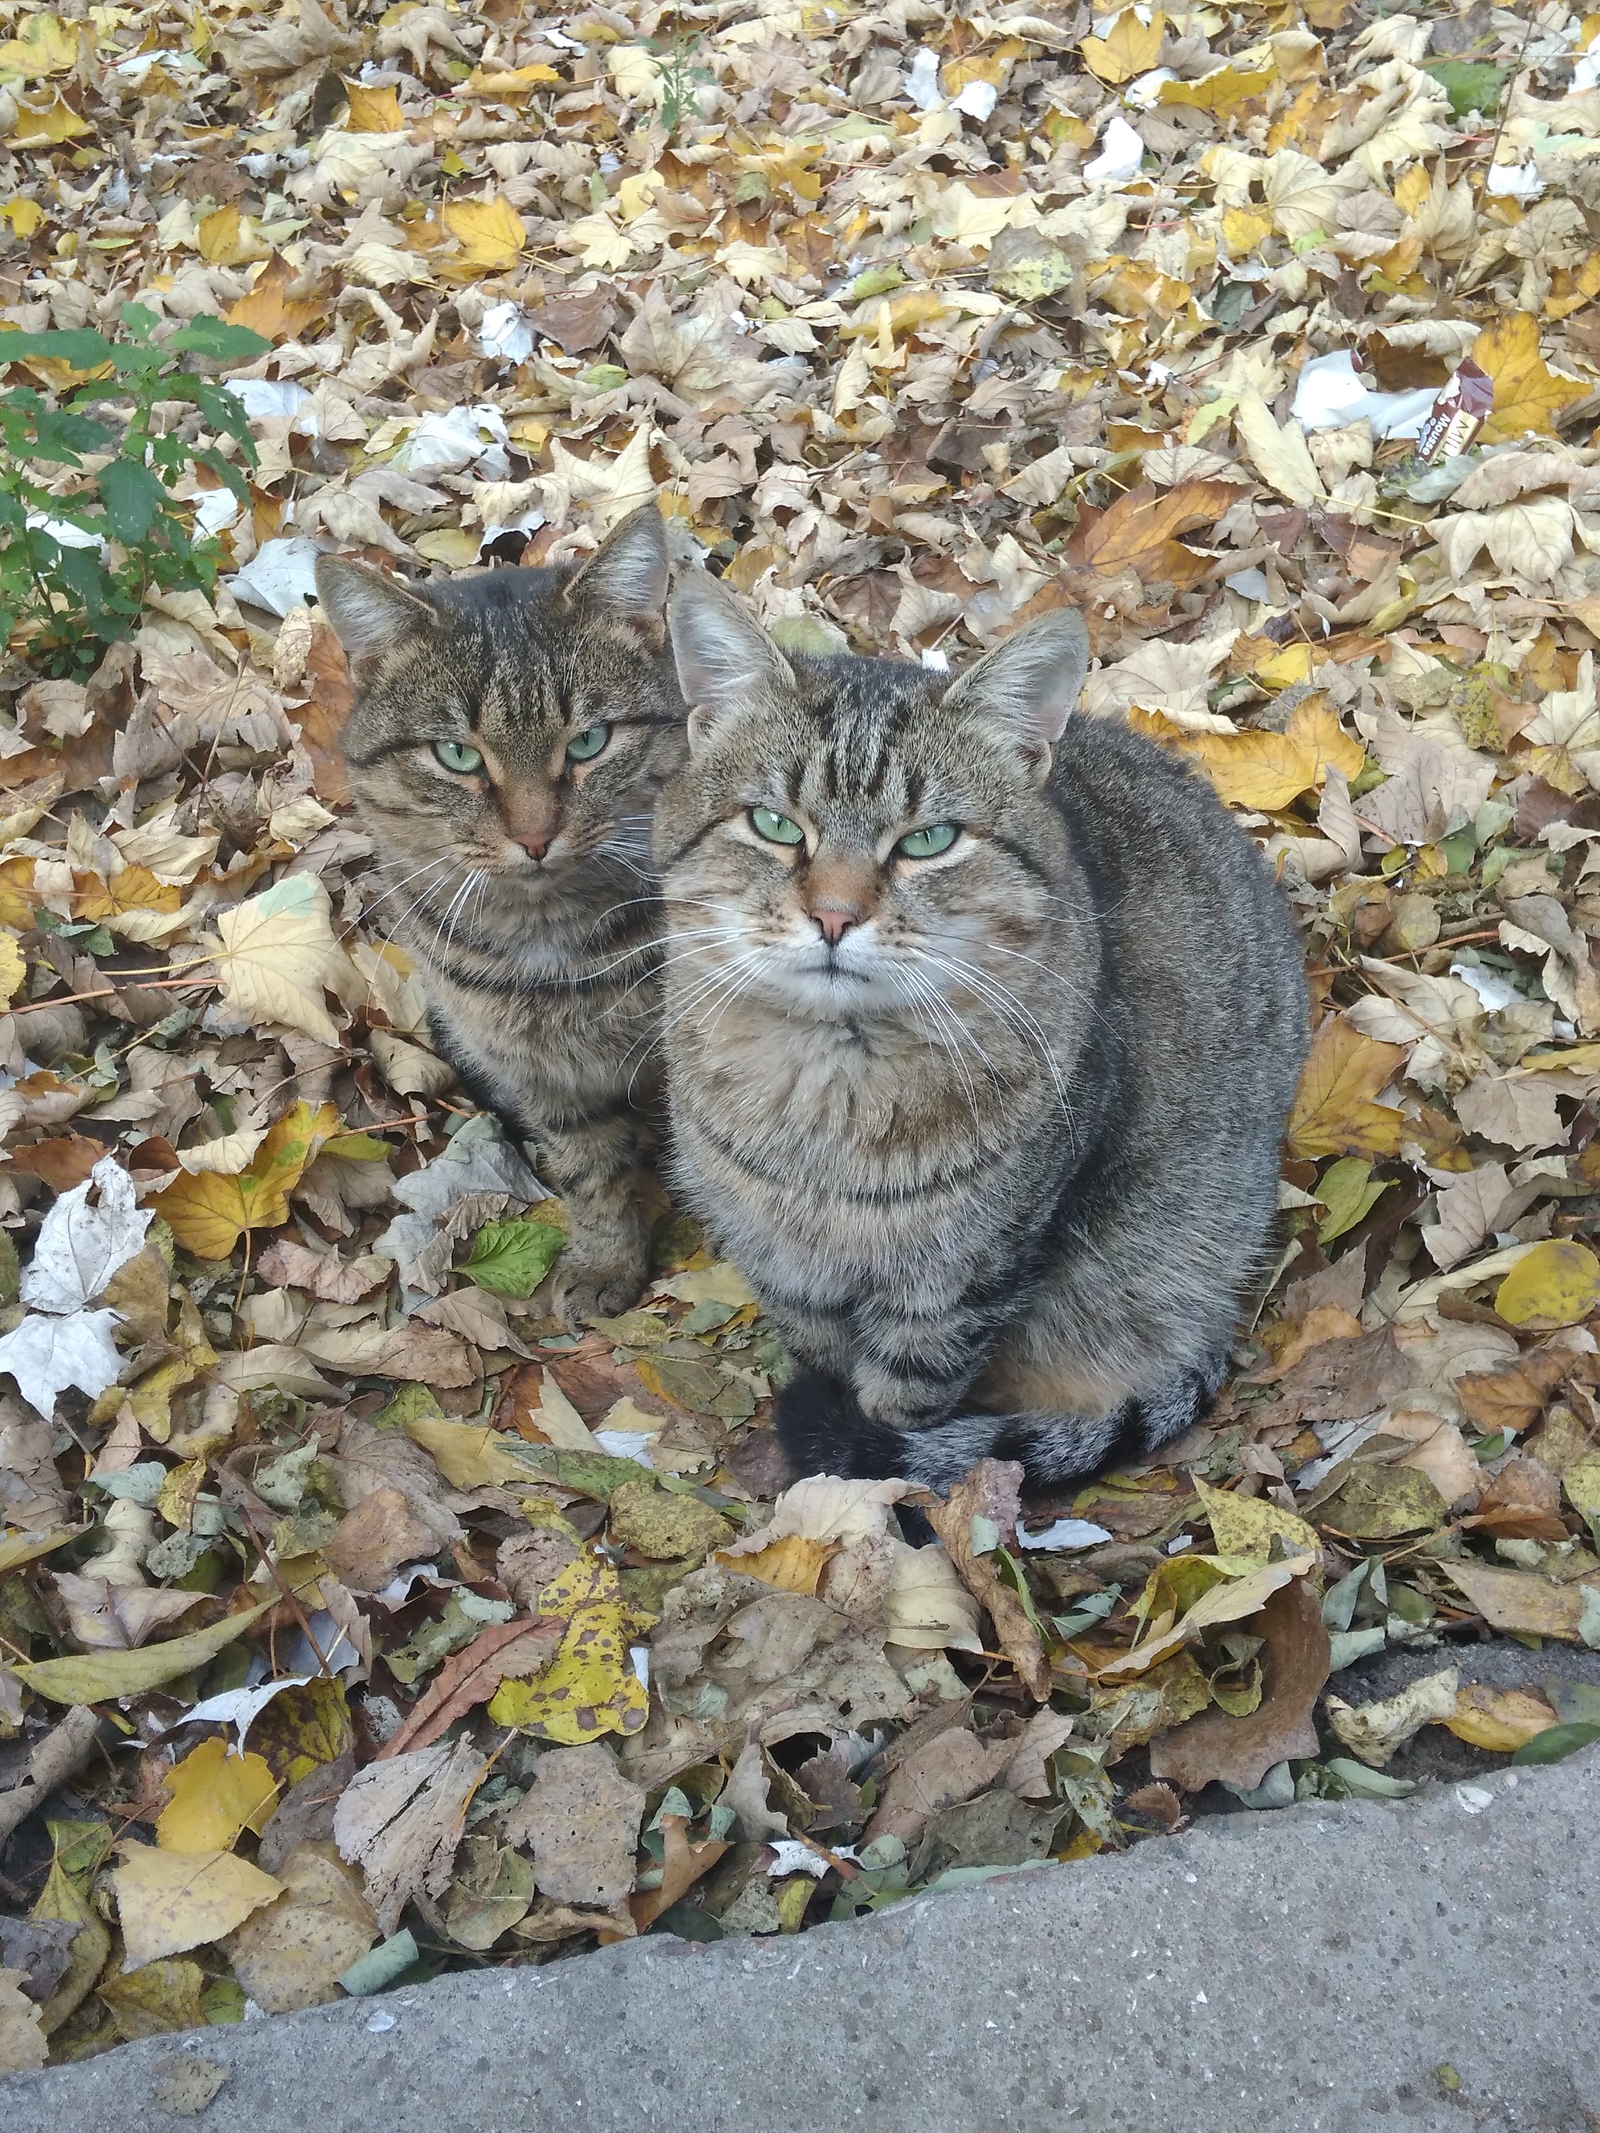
1308	1971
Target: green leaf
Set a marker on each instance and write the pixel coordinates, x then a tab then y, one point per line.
512	1258
79	345
1346	1191
99	1676
132	497
1555	1743
211	337
1471	85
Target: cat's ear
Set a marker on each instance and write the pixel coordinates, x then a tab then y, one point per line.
1027	686
626	579
726	660
371	613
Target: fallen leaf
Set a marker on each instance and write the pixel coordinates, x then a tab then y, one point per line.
1526	1604
989	1494
1499	1720
1241	1750
581	1821
1334	1112
1527	394
1556	1284
291	1953
169	1901
23	2044
107	1675
1375	1732
278	958
1247	1525
214	1796
401	1821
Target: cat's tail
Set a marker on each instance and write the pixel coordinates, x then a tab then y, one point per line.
824	1430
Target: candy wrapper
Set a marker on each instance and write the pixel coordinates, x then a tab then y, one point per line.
1458	414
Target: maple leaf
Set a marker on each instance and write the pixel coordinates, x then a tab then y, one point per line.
210	1210
490	233
1527	393
1334	1112
278	956
1267	770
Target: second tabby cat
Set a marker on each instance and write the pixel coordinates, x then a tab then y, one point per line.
982	1027
509	736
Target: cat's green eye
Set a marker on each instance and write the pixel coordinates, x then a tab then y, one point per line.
457	756
928	842
588	744
776	828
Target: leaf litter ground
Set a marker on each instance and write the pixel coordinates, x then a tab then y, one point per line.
357	1620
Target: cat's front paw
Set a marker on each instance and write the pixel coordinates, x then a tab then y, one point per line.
584	1292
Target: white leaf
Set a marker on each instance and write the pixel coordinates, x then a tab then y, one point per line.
46	1355
80	1247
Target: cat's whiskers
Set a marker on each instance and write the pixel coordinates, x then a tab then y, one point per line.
1011	1011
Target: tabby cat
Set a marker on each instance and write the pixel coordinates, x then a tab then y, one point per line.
981	1032
510	733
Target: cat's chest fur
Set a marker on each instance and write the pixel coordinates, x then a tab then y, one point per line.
882	1157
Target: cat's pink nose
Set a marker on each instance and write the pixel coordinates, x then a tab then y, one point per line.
835	921
536	842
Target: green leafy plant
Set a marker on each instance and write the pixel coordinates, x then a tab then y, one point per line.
78	556
679	80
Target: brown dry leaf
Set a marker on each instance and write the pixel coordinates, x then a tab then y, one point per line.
401	1821
990	1493
518	1650
1294	1666
1524	1603
23	2044
953	1766
581	1822
686	1863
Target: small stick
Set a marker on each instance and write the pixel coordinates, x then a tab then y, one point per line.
110	992
295	1608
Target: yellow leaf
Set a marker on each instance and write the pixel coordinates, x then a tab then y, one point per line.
24	216
792	1563
1527	396
517	81
101	1676
468	1455
215	1796
1281	670
450	546
1129	47
16	885
374	110
19	1548
278	957
267	311
1334	1113
1243	228
1267	770
47	46
169	1902
590	1687
47	128
1556	1284
217	237
490	233
1498	1719
133	903
13	968
209	1211
1217	91
1245	1525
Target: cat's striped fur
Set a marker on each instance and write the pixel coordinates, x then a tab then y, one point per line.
524	891
994	1132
